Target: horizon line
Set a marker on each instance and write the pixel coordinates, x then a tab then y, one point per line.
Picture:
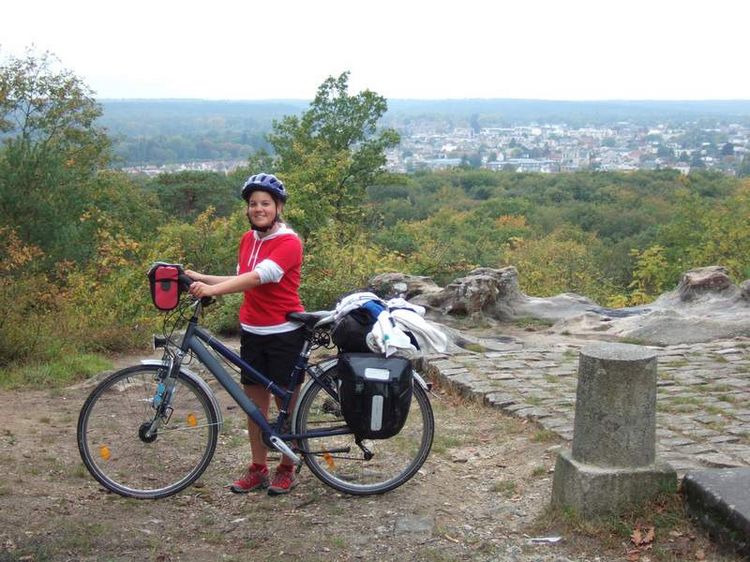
552	100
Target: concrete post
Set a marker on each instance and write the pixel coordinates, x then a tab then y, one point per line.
613	461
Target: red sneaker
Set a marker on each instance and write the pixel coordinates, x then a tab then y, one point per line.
255	478
283	480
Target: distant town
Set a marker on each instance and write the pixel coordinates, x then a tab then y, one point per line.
549	148
509	135
553	148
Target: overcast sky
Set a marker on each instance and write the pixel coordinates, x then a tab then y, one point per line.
283	49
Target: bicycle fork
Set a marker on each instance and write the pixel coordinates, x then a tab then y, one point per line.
161	402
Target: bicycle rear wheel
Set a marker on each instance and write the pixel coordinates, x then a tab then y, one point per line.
341	463
115	446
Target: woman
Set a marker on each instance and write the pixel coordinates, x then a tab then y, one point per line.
268	272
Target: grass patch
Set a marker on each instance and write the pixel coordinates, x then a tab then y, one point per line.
635	341
79	471
677	363
673	532
506	488
62	371
722	388
339	542
476	347
79	537
442	442
544	436
213	537
9	437
436	555
530	323
714	410
692	400
674	408
719	427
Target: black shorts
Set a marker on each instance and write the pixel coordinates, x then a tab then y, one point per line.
274	355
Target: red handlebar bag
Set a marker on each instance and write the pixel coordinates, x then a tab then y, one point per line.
165	286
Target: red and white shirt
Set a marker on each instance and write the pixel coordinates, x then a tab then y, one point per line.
277	258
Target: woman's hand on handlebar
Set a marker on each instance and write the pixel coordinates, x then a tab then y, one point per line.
194	275
198	288
201	290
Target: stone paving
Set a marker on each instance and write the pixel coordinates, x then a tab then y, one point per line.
703	394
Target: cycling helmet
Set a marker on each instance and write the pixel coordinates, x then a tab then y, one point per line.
264	182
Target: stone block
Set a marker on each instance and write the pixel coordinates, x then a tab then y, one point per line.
615	416
720	500
594	491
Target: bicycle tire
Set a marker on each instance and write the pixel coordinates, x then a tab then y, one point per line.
115	449
394	461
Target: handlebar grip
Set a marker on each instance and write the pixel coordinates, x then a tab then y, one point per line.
184	281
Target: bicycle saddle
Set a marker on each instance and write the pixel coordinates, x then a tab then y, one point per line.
311	319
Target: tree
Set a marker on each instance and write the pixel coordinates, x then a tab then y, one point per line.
50	152
187	194
331	153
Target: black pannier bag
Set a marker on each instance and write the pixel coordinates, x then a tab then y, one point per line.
164	281
375	393
350	331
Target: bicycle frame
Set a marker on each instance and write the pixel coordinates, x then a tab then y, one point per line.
196	339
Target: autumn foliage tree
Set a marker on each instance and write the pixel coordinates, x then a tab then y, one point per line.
331	153
51	149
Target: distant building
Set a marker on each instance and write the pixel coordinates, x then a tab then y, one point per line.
525	165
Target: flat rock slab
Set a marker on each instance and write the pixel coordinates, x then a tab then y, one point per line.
720	500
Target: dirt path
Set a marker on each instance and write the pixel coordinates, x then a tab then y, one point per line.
488	478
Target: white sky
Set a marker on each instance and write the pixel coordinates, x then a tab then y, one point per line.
283	49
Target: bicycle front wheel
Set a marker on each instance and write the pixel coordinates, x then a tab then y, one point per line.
120	452
375	467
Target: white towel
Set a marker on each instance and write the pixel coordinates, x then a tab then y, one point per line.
387	338
429	337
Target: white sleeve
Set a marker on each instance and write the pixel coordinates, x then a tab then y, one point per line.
269	271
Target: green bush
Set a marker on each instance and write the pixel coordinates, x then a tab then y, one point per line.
340	259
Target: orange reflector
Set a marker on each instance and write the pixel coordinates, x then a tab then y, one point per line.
329	460
104	452
192	420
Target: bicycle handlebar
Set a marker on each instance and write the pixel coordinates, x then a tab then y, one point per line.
184	281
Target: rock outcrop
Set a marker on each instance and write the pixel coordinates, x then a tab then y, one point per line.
705	306
492	293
